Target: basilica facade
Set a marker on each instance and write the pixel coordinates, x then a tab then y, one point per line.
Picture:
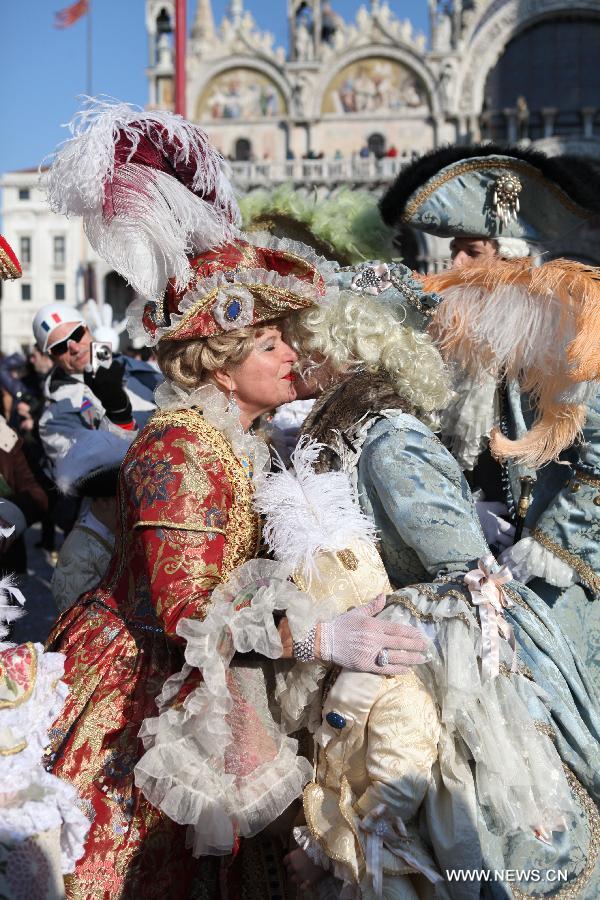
502	69
345	103
355	100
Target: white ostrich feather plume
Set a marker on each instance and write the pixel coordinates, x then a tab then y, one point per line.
307	513
519	330
9	611
157	221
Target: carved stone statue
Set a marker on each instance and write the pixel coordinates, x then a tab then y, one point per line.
303	45
298	97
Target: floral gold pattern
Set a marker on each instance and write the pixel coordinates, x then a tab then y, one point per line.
185	521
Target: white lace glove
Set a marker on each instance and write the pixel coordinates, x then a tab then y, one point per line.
355	640
497	531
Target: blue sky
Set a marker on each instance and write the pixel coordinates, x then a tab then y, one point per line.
44	70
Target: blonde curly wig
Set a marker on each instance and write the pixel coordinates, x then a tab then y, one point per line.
188	364
360	332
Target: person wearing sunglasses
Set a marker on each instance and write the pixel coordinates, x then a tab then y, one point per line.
119	397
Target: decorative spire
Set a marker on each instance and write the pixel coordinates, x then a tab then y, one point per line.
236	11
204	23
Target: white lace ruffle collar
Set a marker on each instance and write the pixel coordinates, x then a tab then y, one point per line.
222	415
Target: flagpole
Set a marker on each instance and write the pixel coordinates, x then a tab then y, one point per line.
180	42
90	83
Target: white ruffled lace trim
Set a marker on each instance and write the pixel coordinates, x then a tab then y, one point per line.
187	770
469	418
46	802
527	559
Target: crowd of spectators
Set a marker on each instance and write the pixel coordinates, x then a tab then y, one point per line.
66	422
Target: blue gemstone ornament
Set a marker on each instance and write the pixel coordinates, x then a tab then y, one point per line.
233	310
335	720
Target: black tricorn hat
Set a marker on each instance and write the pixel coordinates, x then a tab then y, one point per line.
492	191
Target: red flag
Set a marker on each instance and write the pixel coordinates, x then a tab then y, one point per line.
71	14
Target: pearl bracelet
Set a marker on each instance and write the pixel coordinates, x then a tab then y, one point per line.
304	651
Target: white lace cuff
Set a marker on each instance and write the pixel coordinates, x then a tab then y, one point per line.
527	559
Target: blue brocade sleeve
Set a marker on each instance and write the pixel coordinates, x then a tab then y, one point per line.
423	493
570	526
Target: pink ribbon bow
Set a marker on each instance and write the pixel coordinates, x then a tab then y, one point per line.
487	595
382	828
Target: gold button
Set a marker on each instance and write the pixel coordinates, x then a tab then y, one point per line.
348	559
597	500
575	485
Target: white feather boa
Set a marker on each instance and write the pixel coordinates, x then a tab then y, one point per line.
307	513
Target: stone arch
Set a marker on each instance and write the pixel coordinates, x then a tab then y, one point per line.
243	150
235	64
403	56
492	32
376	142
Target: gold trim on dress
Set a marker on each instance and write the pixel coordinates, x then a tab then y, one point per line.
242	531
165	523
585	572
585	478
428	617
102	541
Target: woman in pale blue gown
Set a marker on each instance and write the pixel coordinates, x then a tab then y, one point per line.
372	422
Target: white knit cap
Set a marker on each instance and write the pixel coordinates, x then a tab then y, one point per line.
51	315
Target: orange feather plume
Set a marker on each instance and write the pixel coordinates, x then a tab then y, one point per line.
540	324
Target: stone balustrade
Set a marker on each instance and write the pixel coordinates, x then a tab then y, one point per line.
331	172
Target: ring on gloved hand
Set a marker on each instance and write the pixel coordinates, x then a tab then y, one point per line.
383	658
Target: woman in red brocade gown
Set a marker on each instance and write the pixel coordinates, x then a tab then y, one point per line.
186	521
149	186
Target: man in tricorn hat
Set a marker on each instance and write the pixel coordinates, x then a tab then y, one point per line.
508	202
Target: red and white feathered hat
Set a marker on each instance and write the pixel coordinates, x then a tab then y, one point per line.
151	189
10	267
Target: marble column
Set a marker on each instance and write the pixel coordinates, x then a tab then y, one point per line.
588	113
549	115
511	125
